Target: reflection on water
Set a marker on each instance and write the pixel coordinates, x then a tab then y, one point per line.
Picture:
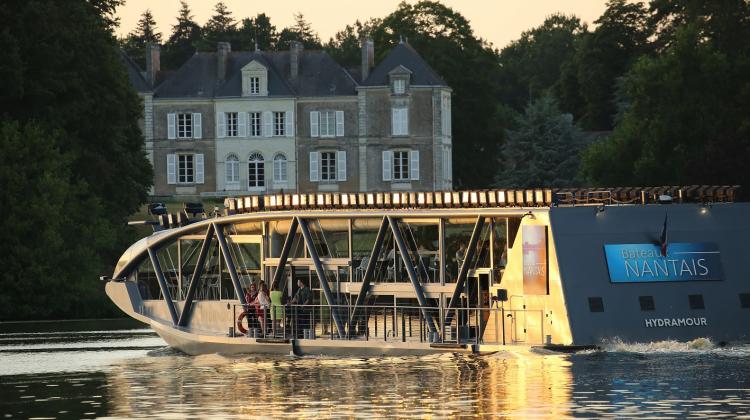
116	369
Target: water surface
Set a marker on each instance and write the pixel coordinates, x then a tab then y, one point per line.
121	369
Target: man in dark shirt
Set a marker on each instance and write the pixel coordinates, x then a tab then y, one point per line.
302	297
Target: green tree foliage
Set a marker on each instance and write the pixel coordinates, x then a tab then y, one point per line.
531	65
144	33
257	31
686	108
444	38
684	122
73	92
602	56
301	31
181	43
344	46
543	150
220	27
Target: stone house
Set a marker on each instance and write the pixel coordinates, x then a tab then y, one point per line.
233	123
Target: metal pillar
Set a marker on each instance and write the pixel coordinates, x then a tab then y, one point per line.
461	280
285	253
321	275
412	273
230	263
374	254
195	279
163	285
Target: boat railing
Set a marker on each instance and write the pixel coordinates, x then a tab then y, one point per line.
389	323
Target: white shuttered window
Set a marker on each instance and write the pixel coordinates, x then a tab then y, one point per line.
197	126
314	167
339	123
171	168
387	156
171	126
341	165
314	126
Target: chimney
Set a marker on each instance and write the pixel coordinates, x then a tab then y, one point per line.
222	53
295	51
153	63
368	57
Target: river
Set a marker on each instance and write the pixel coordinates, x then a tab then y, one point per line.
118	368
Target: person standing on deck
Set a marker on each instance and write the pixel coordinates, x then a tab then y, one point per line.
250	295
302	297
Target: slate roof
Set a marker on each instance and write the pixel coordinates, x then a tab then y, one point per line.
405	55
319	75
135	76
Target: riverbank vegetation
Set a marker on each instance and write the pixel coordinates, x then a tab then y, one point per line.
649	93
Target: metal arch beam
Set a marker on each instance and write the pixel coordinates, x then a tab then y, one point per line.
412	274
163	285
219	229
370	270
285	253
470	251
321	275
195	279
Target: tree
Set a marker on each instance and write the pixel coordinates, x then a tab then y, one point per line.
531	65
602	56
145	33
543	150
74	93
220	27
344	46
181	44
686	121
469	65
257	31
301	31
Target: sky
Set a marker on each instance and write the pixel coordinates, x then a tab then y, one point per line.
497	21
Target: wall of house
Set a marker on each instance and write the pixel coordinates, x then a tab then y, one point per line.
347	143
162	146
243	147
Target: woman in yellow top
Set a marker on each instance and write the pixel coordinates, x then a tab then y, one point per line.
277	308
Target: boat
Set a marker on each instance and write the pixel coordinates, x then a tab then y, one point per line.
411	273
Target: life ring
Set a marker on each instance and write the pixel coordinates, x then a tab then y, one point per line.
240	328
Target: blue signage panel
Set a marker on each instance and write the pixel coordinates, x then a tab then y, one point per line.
644	263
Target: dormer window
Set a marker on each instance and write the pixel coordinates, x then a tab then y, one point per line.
254	79
254	85
399	86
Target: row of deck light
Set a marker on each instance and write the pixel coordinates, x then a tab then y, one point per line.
394	200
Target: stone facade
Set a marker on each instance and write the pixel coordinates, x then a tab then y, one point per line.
237	123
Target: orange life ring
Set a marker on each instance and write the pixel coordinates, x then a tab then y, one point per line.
240	328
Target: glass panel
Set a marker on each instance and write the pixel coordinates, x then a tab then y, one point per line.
457	235
148	285
169	262
331	237
500	244
424	236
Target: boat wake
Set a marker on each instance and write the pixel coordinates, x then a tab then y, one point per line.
696	346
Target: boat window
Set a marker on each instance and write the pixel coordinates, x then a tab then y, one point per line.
696	302
148	285
500	243
647	303
457	236
596	304
745	300
330	237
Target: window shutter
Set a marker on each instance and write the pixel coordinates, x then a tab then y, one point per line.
267	124
341	165
387	158
171	169
414	165
394	121
313	166
171	126
289	124
221	127
199	178
405	121
197	126
339	123
314	121
242	123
